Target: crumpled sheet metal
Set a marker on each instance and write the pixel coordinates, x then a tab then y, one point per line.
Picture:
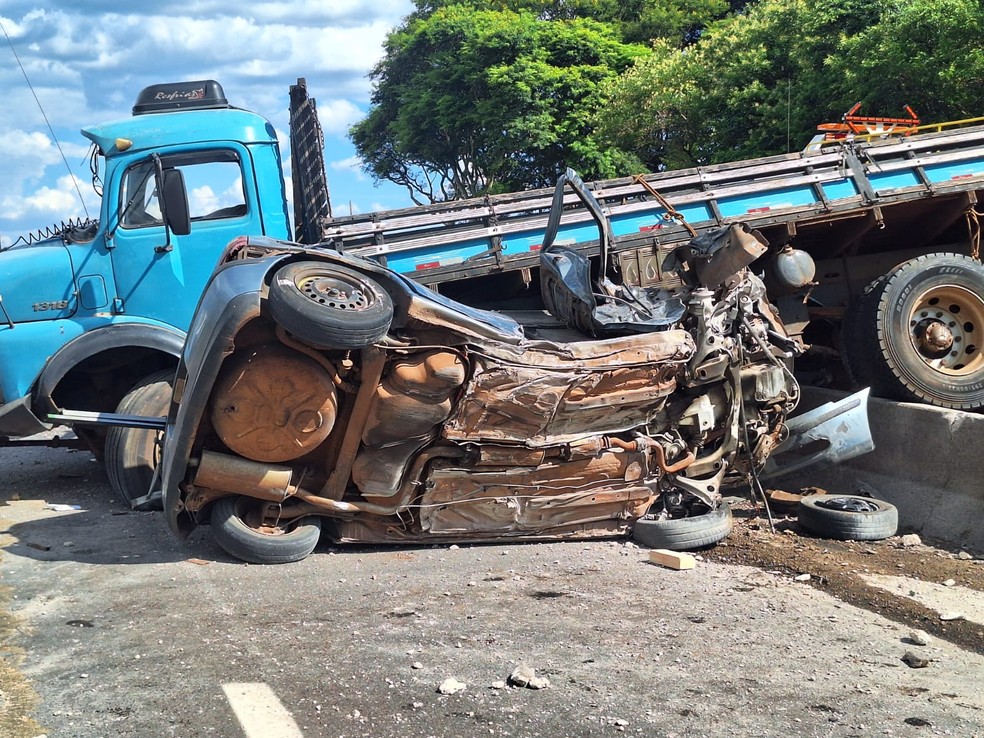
534	406
612	486
540	398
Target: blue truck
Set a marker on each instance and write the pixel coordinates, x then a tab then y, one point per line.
873	256
93	314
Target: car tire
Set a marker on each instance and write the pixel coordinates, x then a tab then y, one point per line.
239	538
685	534
330	306
132	454
917	334
848	517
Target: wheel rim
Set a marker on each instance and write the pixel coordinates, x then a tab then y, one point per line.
848	504
263	518
336	291
946	327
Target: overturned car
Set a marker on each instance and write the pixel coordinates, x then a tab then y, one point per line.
321	391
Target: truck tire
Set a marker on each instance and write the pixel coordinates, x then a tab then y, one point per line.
848	517
132	454
858	356
247	540
918	333
684	534
330	306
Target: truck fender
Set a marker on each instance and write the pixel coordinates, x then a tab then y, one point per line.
161	338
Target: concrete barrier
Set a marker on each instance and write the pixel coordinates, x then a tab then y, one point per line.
927	461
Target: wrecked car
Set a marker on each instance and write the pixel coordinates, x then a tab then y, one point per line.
321	393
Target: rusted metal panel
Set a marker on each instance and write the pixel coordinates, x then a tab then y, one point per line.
537	406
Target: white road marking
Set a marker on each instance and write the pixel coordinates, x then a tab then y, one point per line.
259	711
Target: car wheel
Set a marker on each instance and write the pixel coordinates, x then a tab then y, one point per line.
918	333
330	306
684	534
239	528
848	517
132	454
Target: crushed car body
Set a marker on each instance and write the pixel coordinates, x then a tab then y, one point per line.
320	390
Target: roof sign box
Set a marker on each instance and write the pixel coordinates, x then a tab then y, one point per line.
170	96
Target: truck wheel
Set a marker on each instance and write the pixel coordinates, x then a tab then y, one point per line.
919	333
684	534
330	306
239	528
848	517
858	356
132	454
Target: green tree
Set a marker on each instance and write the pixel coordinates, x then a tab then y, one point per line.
759	82
469	101
635	20
927	53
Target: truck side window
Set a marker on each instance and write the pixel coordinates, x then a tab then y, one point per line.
213	179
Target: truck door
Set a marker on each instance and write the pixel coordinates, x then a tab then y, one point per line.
158	274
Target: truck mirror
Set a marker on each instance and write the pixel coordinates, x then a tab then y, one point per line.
175	202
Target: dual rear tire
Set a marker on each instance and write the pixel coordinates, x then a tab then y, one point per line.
917	334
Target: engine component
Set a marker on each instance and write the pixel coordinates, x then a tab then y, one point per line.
274	404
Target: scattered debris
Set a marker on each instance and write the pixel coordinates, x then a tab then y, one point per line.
949	582
965	556
910	539
80	623
451	686
952	615
200	562
918	722
60	507
498	684
38	546
672	559
525	676
783	501
914	662
918	638
802	578
416	665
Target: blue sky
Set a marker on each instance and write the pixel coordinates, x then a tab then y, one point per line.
88	59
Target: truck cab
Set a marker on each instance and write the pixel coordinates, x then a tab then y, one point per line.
93	311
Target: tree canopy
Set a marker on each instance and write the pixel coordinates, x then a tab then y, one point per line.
484	96
758	82
473	101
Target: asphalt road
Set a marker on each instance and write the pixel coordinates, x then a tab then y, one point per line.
111	627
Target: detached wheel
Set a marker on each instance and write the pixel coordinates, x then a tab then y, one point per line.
330	306
684	534
848	517
244	530
132	454
918	333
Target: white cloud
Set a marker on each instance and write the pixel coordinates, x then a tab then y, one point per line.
337	116
50	204
87	62
352	165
